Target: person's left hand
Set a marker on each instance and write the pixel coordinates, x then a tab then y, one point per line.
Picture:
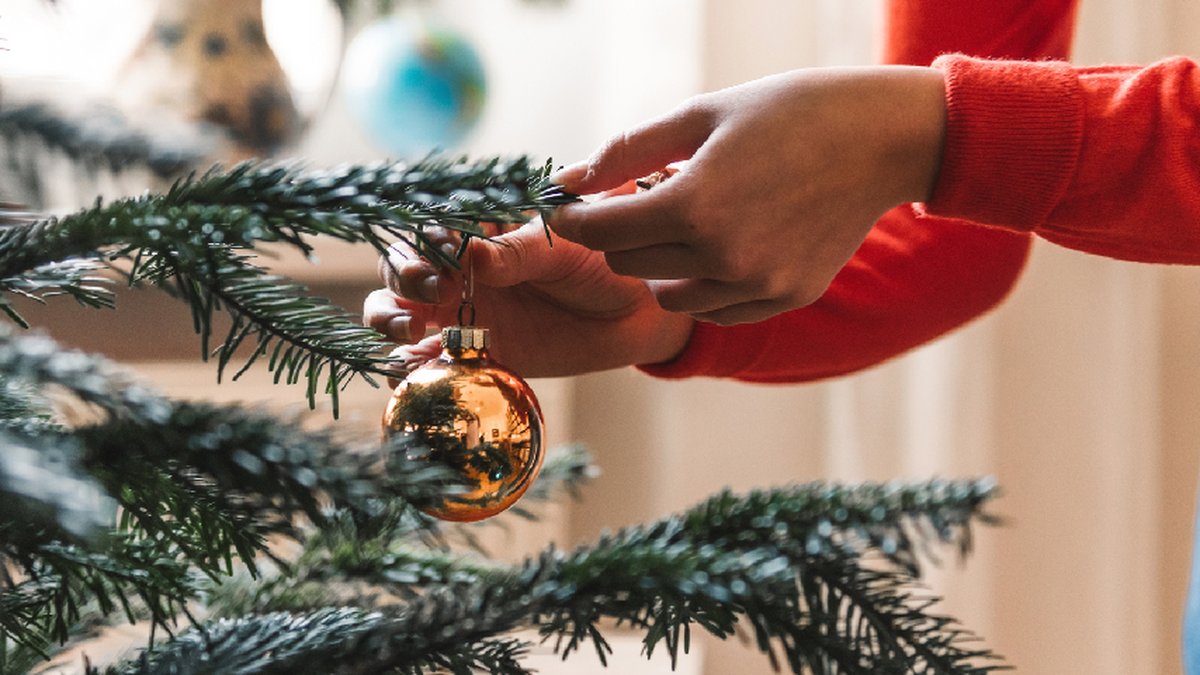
552	310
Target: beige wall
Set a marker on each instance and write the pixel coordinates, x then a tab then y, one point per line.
1079	395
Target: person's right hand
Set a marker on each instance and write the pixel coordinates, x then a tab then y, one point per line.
782	179
551	310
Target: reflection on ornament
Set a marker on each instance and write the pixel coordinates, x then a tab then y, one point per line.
476	417
209	61
413	88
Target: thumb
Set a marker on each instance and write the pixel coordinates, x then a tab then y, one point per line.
521	255
639	151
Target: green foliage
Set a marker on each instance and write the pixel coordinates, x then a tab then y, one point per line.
192	242
145	505
100	139
77	279
813	612
200	487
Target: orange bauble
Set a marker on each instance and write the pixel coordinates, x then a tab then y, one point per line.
476	417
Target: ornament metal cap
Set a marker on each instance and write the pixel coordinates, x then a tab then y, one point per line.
464	337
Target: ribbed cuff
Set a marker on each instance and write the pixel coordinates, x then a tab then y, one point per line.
713	351
1013	136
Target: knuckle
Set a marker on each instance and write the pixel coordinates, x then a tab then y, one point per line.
398	254
728	264
518	253
698	106
705	221
612	152
386	270
775	285
696	211
782	287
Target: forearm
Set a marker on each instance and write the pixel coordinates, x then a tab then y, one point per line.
912	280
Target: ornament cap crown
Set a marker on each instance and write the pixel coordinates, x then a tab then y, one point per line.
464	337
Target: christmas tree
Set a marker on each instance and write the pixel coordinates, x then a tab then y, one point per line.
131	506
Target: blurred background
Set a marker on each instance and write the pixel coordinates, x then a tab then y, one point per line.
1079	394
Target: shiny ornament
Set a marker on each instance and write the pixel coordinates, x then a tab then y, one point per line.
480	419
412	87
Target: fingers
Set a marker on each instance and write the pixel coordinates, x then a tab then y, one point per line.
392	316
641	150
665	261
696	296
404	359
724	302
410	277
409	274
521	255
419	296
746	312
626	222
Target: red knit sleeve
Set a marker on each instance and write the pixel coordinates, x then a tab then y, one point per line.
1105	160
913	279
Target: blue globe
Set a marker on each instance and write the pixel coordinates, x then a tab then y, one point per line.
413	88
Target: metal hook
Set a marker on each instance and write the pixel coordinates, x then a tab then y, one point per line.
468	290
466	306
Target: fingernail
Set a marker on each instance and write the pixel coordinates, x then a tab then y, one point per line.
560	220
400	327
400	250
428	290
569	175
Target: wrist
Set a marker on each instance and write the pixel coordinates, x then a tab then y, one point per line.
921	116
1013	135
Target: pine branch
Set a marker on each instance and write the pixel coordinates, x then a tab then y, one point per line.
821	519
209	479
822	610
893	631
102	139
765	557
45	494
310	337
172	464
189	240
38	362
564	469
76	279
16	659
358	559
197	485
62	580
24	623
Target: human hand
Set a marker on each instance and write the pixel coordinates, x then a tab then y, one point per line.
551	310
785	176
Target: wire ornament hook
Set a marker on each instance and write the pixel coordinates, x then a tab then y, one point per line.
466	307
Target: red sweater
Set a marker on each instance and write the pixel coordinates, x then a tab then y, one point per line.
1105	160
1100	159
